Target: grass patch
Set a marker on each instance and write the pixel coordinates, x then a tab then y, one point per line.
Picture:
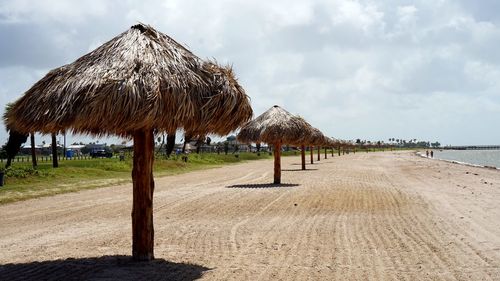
23	182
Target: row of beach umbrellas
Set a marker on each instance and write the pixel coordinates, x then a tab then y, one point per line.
143	82
278	127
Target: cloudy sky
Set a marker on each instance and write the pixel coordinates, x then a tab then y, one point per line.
426	69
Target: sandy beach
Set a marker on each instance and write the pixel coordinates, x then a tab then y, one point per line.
363	216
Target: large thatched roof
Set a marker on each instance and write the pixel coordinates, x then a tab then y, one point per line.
139	79
276	125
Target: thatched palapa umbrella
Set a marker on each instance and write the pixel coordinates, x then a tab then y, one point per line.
332	144
327	144
139	82
305	140
276	127
315	137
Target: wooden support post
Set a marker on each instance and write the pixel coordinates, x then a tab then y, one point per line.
326	156
143	187
311	148
319	153
277	163
303	156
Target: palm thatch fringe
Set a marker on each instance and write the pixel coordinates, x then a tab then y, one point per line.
316	138
273	126
139	79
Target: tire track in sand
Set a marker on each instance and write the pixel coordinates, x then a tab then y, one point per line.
234	229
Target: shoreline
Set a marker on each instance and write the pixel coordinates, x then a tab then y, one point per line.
422	154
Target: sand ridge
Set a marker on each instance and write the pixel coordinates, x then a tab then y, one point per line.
363	216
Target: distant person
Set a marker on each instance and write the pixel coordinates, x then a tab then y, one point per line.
432	154
427	153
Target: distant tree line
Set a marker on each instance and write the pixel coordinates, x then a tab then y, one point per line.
413	143
401	143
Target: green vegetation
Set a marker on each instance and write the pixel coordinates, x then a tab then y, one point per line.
23	182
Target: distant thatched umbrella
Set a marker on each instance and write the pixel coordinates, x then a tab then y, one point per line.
319	144
315	137
276	127
340	146
332	143
345	144
305	140
326	145
335	143
139	82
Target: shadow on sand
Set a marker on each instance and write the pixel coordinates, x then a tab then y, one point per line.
262	185
298	164
102	268
294	170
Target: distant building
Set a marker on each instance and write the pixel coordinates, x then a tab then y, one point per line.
75	149
41	149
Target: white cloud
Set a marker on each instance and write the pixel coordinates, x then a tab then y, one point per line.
407	18
32	11
295	13
364	17
354	68
485	73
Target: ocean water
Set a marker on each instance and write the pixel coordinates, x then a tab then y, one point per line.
476	157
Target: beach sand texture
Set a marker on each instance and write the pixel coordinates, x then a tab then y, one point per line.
363	216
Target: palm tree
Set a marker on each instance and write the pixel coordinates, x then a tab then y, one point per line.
13	146
187	139
55	163
33	152
170	144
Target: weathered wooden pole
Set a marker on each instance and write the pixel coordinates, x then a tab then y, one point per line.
339	149
311	148
319	153
143	187
303	156
326	156
277	163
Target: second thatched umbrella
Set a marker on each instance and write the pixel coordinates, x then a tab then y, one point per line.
275	127
139	82
315	138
